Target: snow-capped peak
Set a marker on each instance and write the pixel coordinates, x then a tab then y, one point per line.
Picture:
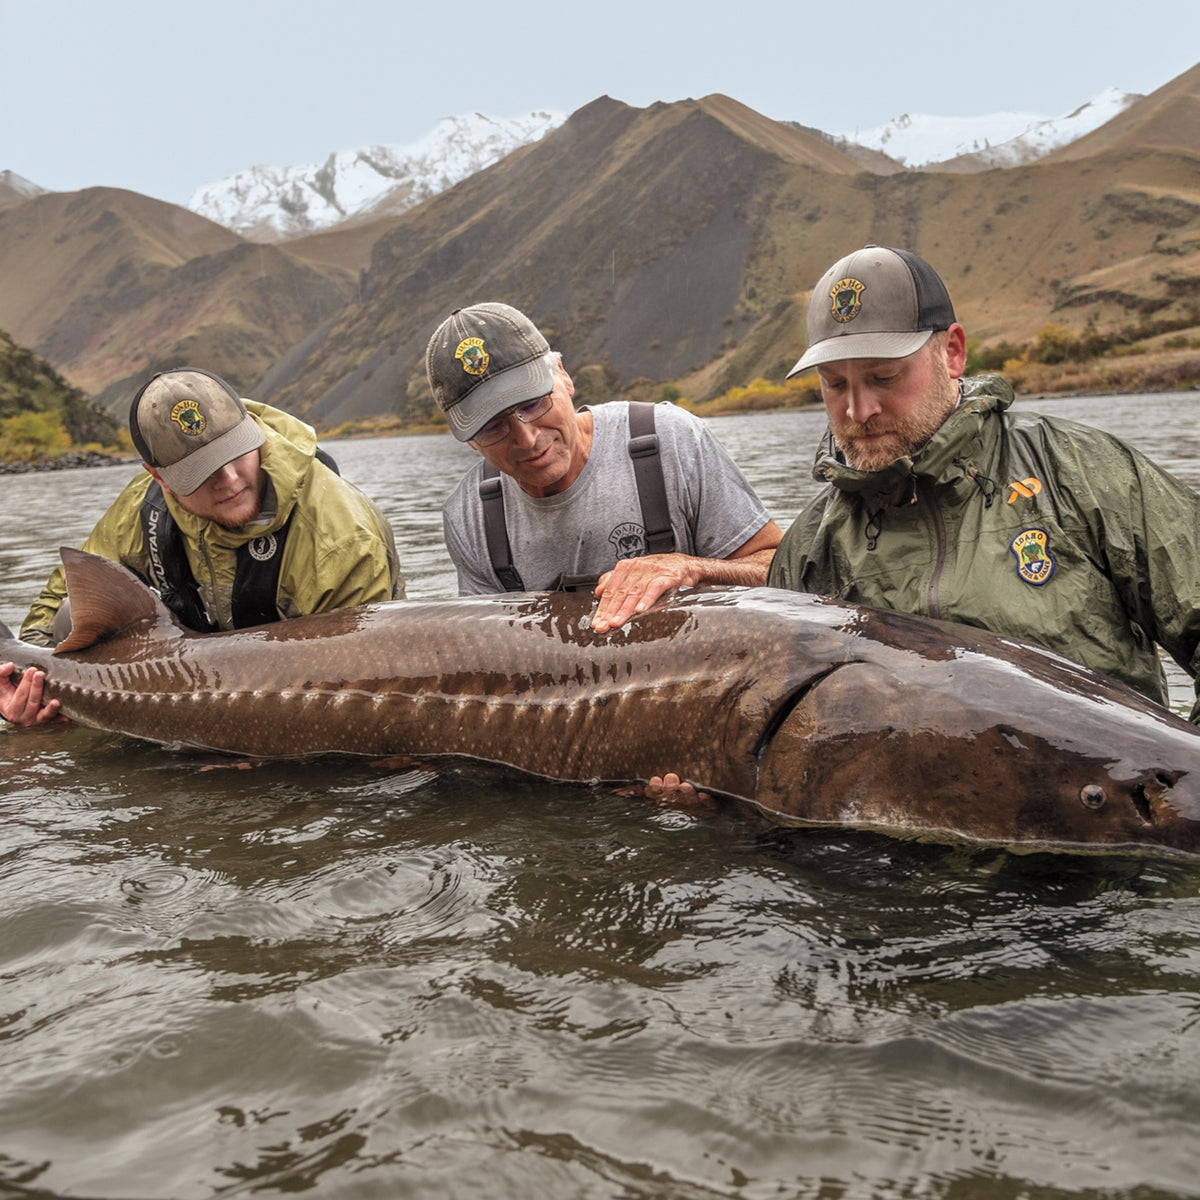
17	185
273	203
1004	139
270	203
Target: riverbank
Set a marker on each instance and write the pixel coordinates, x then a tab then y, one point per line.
1172	372
67	461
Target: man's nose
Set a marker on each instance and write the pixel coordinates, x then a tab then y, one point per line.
223	475
522	433
861	403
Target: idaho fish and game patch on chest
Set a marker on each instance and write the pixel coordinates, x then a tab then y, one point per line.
1035	564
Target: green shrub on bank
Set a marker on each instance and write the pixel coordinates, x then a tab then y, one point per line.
28	436
41	415
760	395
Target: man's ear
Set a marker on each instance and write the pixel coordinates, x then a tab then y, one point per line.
559	369
956	350
157	475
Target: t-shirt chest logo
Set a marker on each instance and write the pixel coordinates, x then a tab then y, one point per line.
1035	564
628	540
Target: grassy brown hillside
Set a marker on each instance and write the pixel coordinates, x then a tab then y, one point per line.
672	243
679	242
61	246
347	247
41	415
626	231
1102	243
110	286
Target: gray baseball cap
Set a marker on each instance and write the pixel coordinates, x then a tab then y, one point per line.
188	423
484	359
874	303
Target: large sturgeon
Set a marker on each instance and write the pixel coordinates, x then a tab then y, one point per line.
809	710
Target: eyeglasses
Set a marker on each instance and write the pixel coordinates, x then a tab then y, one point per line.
496	430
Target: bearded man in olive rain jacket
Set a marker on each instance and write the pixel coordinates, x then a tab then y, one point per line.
942	501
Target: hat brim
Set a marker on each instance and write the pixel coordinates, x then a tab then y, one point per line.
861	345
188	474
516	385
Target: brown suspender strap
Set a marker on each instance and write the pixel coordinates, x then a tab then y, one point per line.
496	530
651	486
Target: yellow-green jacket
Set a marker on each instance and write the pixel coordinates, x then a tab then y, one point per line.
1029	526
339	552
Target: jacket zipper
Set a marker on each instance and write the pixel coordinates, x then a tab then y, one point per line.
214	617
939	527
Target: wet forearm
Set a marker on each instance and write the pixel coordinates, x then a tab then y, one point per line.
748	571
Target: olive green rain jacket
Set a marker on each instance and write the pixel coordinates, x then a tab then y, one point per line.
339	552
1029	526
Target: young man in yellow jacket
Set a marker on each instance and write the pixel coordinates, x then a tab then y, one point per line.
236	521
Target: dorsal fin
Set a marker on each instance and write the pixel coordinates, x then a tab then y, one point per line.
105	599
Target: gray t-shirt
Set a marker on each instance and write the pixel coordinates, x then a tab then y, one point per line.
598	519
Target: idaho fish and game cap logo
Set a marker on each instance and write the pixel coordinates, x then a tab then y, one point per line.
1035	564
472	355
187	415
846	300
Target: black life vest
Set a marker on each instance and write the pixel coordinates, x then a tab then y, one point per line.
652	496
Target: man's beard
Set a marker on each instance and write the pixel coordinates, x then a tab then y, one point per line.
241	525
901	436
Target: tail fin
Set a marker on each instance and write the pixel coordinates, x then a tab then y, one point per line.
23	654
105	599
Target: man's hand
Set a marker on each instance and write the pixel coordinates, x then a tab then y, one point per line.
669	791
634	584
21	703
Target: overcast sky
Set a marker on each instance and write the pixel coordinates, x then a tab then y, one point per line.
162	97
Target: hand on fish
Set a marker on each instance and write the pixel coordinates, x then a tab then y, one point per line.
21	703
669	791
634	584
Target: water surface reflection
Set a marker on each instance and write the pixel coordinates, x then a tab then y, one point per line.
368	981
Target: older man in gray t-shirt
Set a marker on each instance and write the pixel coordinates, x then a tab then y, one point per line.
570	500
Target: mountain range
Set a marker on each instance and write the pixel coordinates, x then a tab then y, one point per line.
673	242
1003	139
272	204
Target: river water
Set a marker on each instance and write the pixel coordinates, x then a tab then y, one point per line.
362	982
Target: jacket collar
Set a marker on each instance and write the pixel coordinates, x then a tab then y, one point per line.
949	457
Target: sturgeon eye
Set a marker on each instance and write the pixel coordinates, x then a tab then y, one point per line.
1092	796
